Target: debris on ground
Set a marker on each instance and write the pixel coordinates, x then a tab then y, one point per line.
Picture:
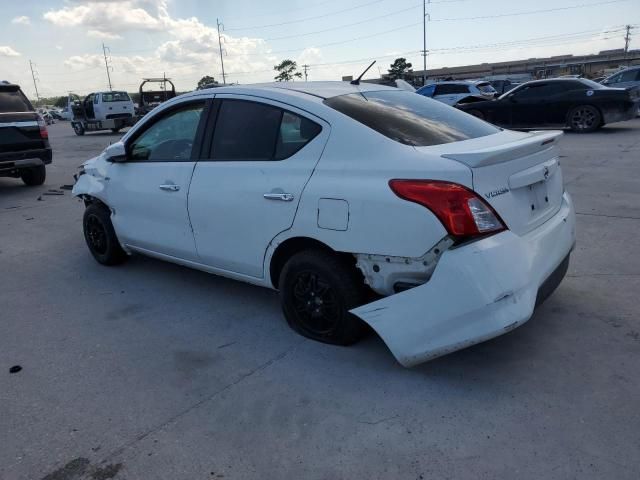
15	369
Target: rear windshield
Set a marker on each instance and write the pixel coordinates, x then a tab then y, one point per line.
409	118
115	97
13	101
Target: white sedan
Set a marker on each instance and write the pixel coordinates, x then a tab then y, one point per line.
359	203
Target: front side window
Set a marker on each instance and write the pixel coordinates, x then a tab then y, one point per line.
252	131
170	138
540	91
409	118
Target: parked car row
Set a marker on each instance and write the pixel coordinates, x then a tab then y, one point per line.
579	104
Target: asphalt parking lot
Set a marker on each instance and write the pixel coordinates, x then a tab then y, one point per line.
155	371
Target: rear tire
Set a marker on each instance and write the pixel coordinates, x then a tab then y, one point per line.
584	119
101	237
78	128
317	290
34	176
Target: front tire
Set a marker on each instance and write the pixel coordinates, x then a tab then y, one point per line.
584	119
101	237
317	290
34	176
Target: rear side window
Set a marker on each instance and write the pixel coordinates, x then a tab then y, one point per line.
409	118
115	97
14	101
451	89
252	131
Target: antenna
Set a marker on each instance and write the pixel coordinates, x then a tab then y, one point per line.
357	80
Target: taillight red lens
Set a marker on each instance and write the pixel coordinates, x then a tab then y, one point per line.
462	212
44	134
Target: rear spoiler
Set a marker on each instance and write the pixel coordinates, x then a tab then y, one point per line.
9	87
534	143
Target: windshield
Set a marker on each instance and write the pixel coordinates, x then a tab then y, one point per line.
486	88
13	101
409	118
115	97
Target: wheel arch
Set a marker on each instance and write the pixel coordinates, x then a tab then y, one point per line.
289	247
586	104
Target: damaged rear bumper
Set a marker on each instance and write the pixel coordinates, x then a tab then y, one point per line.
477	292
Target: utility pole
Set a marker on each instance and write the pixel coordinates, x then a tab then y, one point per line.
224	81
305	66
106	64
424	40
627	39
35	85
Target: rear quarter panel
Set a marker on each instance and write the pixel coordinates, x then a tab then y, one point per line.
355	167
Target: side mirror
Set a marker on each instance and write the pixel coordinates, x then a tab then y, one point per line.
512	98
116	153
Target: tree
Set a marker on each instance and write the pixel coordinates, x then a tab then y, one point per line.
399	68
287	70
204	81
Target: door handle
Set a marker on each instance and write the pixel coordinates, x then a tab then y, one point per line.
284	197
170	187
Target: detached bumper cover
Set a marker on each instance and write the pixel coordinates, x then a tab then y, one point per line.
477	292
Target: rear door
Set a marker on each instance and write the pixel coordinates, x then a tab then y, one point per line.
148	192
451	93
19	128
247	191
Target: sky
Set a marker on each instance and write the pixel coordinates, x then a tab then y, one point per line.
148	38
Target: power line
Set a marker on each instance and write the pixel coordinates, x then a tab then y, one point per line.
531	12
339	27
306	19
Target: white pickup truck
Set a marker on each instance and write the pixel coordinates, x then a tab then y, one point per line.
101	111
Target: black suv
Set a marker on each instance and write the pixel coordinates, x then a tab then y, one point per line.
24	140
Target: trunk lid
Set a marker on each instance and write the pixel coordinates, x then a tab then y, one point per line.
517	173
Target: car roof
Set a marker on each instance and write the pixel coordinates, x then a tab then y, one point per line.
321	90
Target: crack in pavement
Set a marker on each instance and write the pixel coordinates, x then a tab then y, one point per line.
624	217
174	418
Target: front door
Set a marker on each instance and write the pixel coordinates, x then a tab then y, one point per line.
262	154
148	192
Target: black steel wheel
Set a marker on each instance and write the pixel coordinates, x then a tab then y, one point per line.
584	119
317	290
100	236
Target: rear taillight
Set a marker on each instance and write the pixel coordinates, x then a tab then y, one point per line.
44	134
462	212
